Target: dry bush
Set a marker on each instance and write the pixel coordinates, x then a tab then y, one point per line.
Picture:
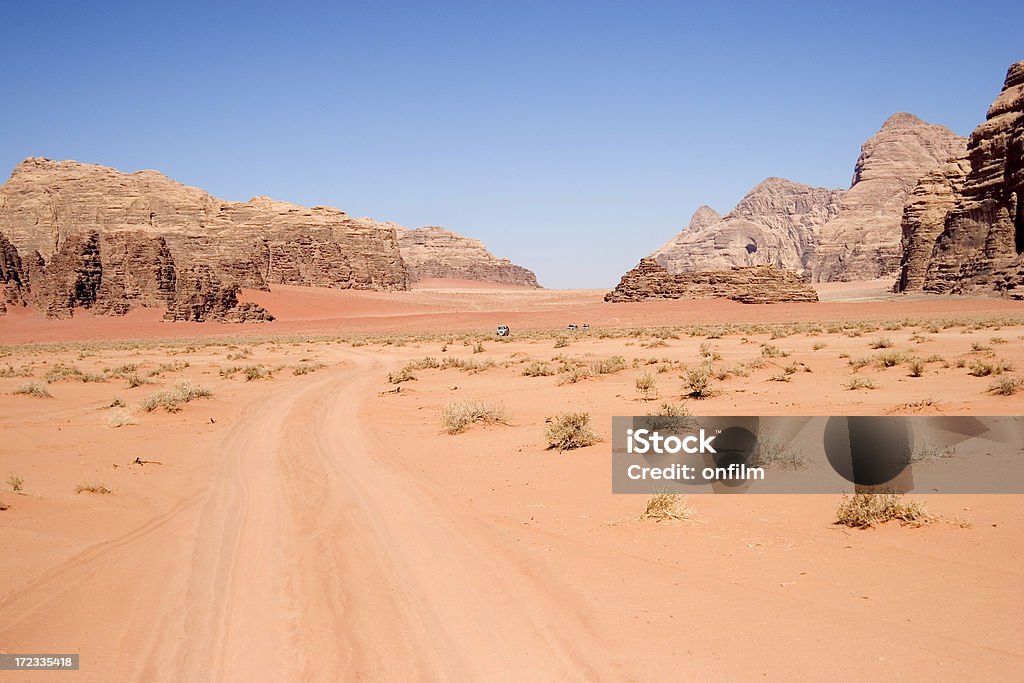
697	382
891	359
11	371
457	416
34	389
881	343
772	351
671	417
864	510
120	417
135	380
857	383
538	369
306	368
403	375
646	385
608	366
668	506
567	431
171	399
93	488
15	482
256	372
916	367
771	452
1006	386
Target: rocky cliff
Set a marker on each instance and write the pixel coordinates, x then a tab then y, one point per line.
433	252
746	284
963	229
826	234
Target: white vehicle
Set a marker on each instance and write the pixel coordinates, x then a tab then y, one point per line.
503	330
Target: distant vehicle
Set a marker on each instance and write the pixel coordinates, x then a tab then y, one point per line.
572	326
503	330
586	327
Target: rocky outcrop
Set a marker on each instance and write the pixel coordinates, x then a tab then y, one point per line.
13	279
433	252
971	237
826	234
201	296
864	241
747	284
253	244
773	225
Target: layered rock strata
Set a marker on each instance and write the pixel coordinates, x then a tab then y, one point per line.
433	252
746	284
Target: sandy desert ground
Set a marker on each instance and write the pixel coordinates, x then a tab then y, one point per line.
311	518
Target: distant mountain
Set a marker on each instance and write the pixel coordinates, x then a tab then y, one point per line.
824	234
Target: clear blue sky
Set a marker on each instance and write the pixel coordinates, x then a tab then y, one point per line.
572	138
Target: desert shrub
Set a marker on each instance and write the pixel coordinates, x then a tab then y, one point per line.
306	368
671	417
864	510
171	399
11	371
881	343
457	416
925	450
646	385
697	382
478	347
425	363
568	431
771	452
120	417
34	389
608	366
772	351
256	372
403	375
709	353
818	346
538	369
92	488
890	359
915	367
1006	386
15	482
857	383
978	347
561	342
667	506
135	380
241	354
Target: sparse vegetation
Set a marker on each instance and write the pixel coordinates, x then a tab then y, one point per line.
403	375
772	351
172	399
33	389
306	368
667	506
864	510
93	488
568	431
120	417
11	371
608	366
458	415
857	383
916	367
646	385
670	417
15	482
697	382
538	369
881	343
1006	386
772	452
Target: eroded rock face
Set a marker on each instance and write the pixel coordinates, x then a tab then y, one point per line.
201	296
826	234
433	252
13	278
977	246
863	241
252	244
747	284
773	225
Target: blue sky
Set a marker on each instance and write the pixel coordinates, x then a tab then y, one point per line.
573	138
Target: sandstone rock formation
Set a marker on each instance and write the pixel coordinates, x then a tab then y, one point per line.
433	252
253	244
13	279
201	296
963	230
746	284
826	234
